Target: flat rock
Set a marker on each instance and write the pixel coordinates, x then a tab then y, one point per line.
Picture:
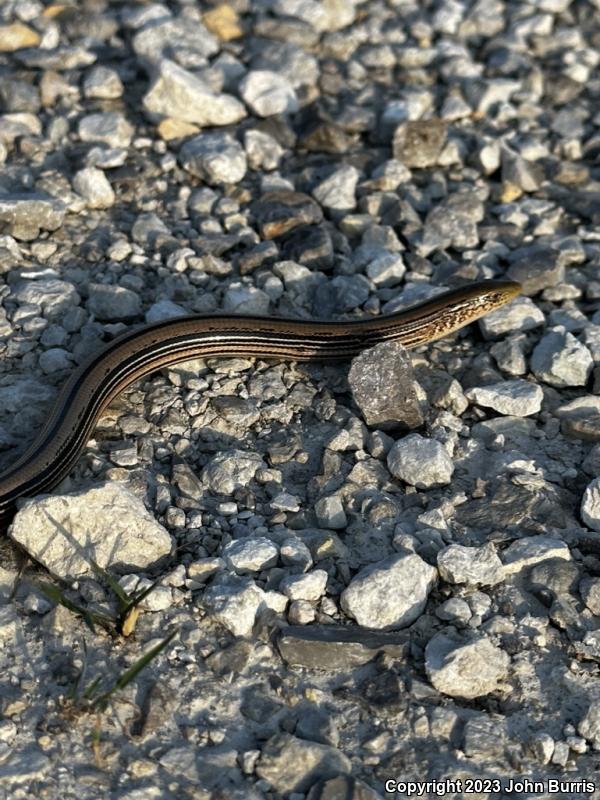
337	647
533	550
517	398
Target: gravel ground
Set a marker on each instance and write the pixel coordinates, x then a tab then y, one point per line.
375	574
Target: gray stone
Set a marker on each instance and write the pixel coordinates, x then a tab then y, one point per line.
234	602
107	524
561	360
337	647
113	303
465	668
262	150
517	398
25	766
521	314
251	554
589	725
109	127
484	737
537	270
102	83
268	93
389	594
181	95
310	586
482	95
17	124
149	230
330	513
475	566
230	470
454	610
386	269
186	39
580	419
53	296
23	215
421	462
510	355
590	505
279	212
419	143
93	185
242	299
55	359
337	192
383	386
452	223
533	550
520	173
293	765
164	309
214	157
589	588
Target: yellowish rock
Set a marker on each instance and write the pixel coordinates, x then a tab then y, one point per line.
223	21
170	128
55	10
16	37
510	192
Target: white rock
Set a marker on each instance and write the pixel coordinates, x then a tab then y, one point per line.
310	586
421	462
181	95
516	398
234	603
337	192
532	550
391	593
93	185
268	93
466	669
214	157
107	524
251	554
561	360
471	565
231	470
590	505
521	314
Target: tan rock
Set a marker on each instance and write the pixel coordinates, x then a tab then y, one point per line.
223	22
170	128
16	37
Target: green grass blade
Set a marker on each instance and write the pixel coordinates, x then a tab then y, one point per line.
91	687
54	594
131	673
111	582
